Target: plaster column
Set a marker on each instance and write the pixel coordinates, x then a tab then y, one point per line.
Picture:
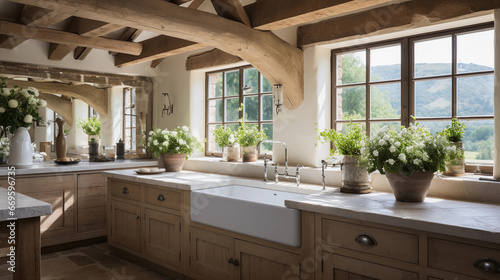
111	125
76	137
496	169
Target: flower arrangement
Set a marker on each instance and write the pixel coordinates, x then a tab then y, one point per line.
454	132
410	150
349	143
178	141
90	126
249	135
18	107
4	147
224	136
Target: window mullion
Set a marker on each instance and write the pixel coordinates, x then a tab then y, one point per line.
453	73
368	92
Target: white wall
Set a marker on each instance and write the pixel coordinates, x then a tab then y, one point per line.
111	125
76	137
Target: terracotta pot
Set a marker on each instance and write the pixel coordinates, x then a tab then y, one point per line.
355	179
173	162
411	188
231	153
249	154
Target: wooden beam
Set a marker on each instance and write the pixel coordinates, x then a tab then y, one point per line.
130	34
59	105
67	38
277	14
231	9
32	16
84	27
155	48
277	60
210	58
155	62
392	18
95	97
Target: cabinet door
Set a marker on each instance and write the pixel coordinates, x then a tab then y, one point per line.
210	253
257	262
126	225
91	203
163	237
343	268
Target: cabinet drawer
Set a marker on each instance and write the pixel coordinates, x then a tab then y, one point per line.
371	240
125	190
163	198
462	258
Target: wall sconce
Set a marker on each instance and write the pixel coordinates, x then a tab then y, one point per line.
278	97
167	105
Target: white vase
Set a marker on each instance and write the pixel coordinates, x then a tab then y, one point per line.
21	153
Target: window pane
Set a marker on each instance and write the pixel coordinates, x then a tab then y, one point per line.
267	107
351	103
376	126
479	141
385	101
232	83
475	52
385	63
351	68
475	96
343	127
268	130
433	98
232	109
251	80
251	108
233	126
212	146
215	85
433	57
215	110
265	85
435	126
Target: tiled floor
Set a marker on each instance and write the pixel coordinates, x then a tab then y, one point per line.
94	262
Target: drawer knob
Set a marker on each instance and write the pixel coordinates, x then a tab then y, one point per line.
230	261
137	216
125	190
161	197
366	239
488	265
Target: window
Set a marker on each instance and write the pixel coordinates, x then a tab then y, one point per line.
432	78
225	91
92	112
129	119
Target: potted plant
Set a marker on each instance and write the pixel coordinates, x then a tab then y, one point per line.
455	155
91	127
355	176
4	150
225	138
173	146
18	111
409	158
248	137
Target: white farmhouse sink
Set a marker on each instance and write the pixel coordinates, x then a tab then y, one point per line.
252	211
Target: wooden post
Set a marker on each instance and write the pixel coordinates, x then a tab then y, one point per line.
28	249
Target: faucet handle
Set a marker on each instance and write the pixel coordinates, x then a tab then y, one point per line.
297	173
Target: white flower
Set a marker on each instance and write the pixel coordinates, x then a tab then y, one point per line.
391	141
391	161
384	129
375	153
164	132
2	110
402	157
177	148
381	142
150	133
392	149
42	103
32	100
34	90
397	144
173	133
185	128
28	119
231	139
155	142
13	103
417	161
25	93
409	149
182	142
5	91
386	137
165	143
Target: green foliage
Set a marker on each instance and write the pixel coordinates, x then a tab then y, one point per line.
249	135
454	132
178	141
454	154
18	107
349	143
4	147
90	126
224	136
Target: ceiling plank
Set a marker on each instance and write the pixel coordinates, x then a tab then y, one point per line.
277	60
84	27
210	58
277	14
60	105
95	97
155	48
392	18
32	16
231	9
61	37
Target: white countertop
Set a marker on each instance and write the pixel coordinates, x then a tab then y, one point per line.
457	218
50	167
26	207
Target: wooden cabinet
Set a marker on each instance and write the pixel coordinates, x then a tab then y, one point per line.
126	225
217	256
91	204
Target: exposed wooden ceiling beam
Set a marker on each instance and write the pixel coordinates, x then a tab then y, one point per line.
32	16
95	97
60	105
130	34
277	14
277	60
157	47
392	18
84	27
210	58
67	38
231	9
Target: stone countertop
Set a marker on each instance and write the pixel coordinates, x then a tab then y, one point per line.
451	217
26	207
50	167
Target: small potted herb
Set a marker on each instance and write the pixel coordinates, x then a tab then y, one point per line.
226	139
91	127
248	137
455	153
